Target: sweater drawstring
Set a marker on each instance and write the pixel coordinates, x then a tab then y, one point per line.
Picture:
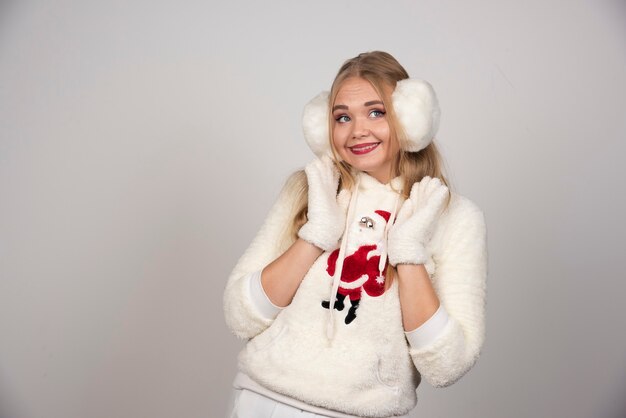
330	328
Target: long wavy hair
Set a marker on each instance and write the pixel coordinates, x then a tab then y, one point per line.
382	71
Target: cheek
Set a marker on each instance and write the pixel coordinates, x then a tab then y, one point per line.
393	147
380	128
338	137
383	133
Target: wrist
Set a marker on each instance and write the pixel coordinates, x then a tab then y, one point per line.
411	271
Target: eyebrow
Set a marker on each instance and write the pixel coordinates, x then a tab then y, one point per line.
370	103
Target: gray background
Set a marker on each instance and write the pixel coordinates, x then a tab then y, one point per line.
142	143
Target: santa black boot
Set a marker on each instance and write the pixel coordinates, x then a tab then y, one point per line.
352	311
338	302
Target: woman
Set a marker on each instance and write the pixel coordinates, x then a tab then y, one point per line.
368	274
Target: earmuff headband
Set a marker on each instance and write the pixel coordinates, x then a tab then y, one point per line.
414	102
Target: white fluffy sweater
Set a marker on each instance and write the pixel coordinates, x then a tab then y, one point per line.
370	367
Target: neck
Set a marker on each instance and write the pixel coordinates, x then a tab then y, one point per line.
383	177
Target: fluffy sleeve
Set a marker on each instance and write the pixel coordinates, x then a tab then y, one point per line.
460	282
241	313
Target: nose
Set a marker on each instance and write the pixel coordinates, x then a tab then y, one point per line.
360	128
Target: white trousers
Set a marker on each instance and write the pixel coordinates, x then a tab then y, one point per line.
244	403
247	404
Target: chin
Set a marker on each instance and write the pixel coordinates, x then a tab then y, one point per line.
373	170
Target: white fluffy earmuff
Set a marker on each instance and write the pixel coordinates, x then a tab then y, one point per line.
414	102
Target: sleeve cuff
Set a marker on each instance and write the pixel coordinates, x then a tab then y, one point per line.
429	330
259	298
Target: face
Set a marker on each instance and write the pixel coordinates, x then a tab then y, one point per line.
361	131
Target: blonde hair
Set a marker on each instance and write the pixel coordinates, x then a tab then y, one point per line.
382	71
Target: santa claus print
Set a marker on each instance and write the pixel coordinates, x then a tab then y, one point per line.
360	269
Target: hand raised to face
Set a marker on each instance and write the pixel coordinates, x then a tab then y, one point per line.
415	222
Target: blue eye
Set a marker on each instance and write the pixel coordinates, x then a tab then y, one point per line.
342	119
377	113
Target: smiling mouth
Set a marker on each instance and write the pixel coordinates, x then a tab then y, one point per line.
361	149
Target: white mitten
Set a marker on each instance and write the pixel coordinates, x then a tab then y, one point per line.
408	236
326	217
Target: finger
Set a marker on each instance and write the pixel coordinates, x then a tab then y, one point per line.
432	185
435	201
425	180
415	191
421	188
428	190
439	195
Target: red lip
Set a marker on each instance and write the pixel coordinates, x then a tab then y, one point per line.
361	149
